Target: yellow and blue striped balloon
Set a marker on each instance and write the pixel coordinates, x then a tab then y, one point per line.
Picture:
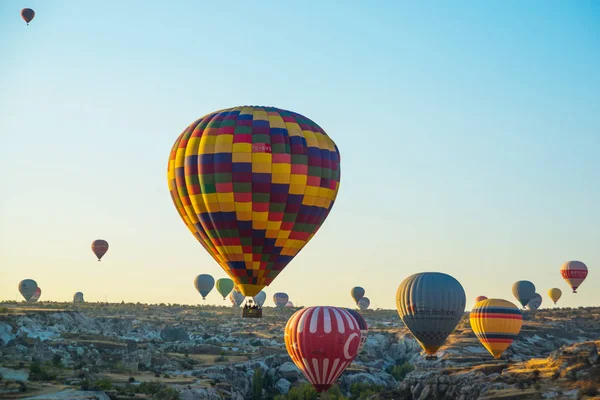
496	323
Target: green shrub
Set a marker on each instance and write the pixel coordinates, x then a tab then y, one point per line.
399	372
361	390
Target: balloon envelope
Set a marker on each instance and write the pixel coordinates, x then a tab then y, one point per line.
430	304
574	272
253	185
362	325
224	286
554	294
280	299
480	298
99	247
496	323
36	295
523	291
204	284
322	342
260	298
78	297
364	303
236	297
27	288
357	293
535	302
27	14
289	304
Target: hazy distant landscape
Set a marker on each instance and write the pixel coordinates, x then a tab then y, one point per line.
138	351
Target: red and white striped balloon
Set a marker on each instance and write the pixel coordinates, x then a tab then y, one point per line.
322	342
574	272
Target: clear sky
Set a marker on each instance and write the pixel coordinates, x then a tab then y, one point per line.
469	135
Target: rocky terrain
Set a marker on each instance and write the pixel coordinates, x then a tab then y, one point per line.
137	351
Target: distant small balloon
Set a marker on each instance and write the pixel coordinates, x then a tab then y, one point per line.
27	14
364	303
236	297
289	304
554	294
480	298
523	291
260	298
99	247
535	302
357	293
78	298
574	272
224	286
27	288
280	299
36	295
204	283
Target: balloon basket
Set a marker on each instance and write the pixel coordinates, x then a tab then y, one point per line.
252	313
431	358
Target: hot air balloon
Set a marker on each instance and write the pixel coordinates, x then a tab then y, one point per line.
364	303
27	288
280	299
289	304
357	293
78	297
574	272
535	302
523	291
99	247
430	304
253	185
480	298
224	286
496	323
204	284
27	14
362	325
260	298
554	294
36	295
322	342
236	297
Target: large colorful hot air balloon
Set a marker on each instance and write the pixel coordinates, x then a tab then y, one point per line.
236	297
78	297
357	293
322	342
204	284
480	298
27	288
289	304
523	291
254	185
430	304
99	247
496	323
280	299
260	298
364	303
535	302
362	325
574	272
36	296
224	286
27	14
554	294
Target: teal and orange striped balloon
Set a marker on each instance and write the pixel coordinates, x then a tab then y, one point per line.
496	323
254	185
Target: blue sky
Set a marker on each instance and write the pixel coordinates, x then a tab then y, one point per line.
469	135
